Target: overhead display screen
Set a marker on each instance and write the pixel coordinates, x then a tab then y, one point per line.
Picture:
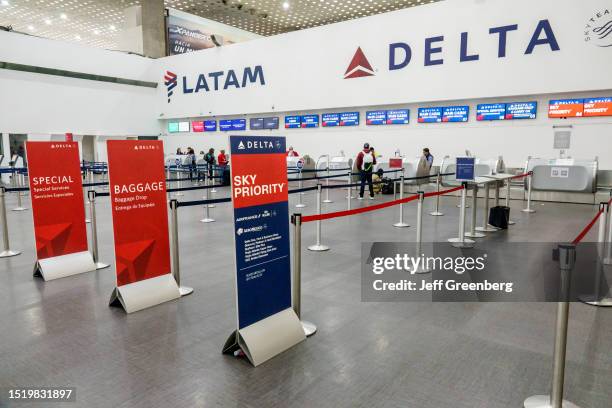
183	127
430	115
238	124
271	122
598	107
521	110
491	111
292	122
310	121
210	125
197	126
256	123
566	108
349	119
455	113
378	117
398	117
173	127
330	119
225	125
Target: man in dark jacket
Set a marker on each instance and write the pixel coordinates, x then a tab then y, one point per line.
365	164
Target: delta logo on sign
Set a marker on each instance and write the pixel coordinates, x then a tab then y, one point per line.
401	53
359	66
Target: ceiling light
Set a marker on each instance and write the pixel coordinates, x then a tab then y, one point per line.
47	21
286	5
112	27
63	16
77	37
4	2
31	27
96	32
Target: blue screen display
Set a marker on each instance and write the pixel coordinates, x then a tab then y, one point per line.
521	110
310	121
465	168
225	125
430	115
491	111
330	119
238	124
378	117
271	122
398	117
455	113
256	123
349	119
210	125
292	122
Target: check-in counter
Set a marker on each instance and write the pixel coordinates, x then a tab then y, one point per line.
483	167
409	164
308	164
563	175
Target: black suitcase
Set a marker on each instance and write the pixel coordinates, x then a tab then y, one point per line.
388	186
226	177
499	216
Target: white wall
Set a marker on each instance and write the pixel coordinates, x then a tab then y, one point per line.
37	103
513	139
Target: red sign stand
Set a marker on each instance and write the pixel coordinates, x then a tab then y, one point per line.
58	210
140	224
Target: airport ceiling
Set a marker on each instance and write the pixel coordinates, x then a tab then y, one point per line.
99	22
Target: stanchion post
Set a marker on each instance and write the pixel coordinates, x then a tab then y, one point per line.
91	197
349	189
7	251
19	184
600	297
300	185
529	181
472	233
207	218
422	268
327	200
485	222
567	260
437	212
608	257
401	223
461	241
318	247
213	181
510	222
176	270
309	328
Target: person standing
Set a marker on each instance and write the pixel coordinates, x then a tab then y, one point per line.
365	164
209	158
291	152
428	158
222	158
191	160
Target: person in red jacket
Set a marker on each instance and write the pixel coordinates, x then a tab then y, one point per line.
222	159
365	164
291	152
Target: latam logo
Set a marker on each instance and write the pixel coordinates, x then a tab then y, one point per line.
170	82
359	66
401	55
222	80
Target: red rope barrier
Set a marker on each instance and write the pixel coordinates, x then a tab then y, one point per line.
316	217
521	175
587	228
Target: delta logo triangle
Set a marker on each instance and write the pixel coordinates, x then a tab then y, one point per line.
240	146
359	66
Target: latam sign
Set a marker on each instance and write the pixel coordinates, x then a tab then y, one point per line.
221	80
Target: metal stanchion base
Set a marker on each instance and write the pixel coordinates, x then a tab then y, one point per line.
528	210
318	248
300	205
19	209
211	206
101	265
327	201
487	228
543	401
466	243
466	206
185	290
309	328
475	235
207	220
436	214
593	301
401	225
6	254
214	190
178	194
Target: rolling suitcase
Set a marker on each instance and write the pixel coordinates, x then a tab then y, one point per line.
499	216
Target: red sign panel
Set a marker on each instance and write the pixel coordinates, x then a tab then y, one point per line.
197	126
566	108
598	107
256	184
140	217
395	163
58	207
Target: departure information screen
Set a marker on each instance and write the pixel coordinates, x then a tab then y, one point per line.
378	117
566	108
330	119
349	118
310	121
491	111
292	122
455	113
430	115
598	107
521	110
398	117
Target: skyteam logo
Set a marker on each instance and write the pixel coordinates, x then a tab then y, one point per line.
359	66
170	82
598	30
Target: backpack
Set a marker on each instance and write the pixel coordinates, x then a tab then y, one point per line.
388	187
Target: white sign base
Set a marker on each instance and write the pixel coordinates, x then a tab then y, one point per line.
149	292
268	337
64	265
